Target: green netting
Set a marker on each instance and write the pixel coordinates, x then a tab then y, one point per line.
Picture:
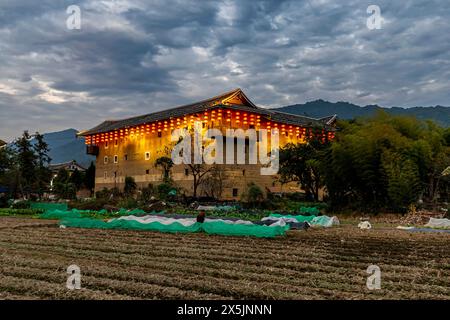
48	206
310	210
299	218
60	214
210	227
129	224
227	229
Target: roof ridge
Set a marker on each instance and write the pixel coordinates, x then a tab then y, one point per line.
184	105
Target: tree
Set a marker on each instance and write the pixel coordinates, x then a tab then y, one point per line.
166	164
62	186
253	194
385	162
302	163
77	179
43	173
8	169
198	171
26	161
6	159
213	182
130	186
89	177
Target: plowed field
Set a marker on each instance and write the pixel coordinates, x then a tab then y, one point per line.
313	264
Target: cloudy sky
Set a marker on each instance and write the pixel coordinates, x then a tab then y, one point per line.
135	57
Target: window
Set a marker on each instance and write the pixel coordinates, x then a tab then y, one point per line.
235	192
147	171
147	155
159	134
243	172
105	160
116	159
106	144
105	174
252	126
116	143
186	172
125	157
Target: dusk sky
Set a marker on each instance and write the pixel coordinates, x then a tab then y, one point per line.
135	57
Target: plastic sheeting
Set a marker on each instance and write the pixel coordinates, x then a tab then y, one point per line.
438	223
161	224
364	225
324	221
292	218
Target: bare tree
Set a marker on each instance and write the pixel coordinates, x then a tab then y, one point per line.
213	182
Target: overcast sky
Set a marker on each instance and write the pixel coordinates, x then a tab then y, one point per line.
135	57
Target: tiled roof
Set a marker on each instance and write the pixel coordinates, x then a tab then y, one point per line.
204	105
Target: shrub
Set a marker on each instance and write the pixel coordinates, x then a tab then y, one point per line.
147	193
128	203
95	204
13	212
164	190
21	205
253	194
108	193
130	186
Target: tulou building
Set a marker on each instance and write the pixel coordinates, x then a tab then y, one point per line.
130	147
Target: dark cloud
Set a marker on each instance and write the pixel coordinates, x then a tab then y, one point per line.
135	56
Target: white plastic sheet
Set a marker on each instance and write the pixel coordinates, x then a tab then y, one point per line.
438	223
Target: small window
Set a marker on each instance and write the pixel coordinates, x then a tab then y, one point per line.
243	172
159	134
147	171
252	126
115	174
186	172
105	174
235	192
125	157
116	159
106	144
105	159
147	155
203	125
116	143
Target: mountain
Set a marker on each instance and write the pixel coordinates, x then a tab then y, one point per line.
345	110
65	146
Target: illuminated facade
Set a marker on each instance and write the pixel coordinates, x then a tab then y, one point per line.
130	147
